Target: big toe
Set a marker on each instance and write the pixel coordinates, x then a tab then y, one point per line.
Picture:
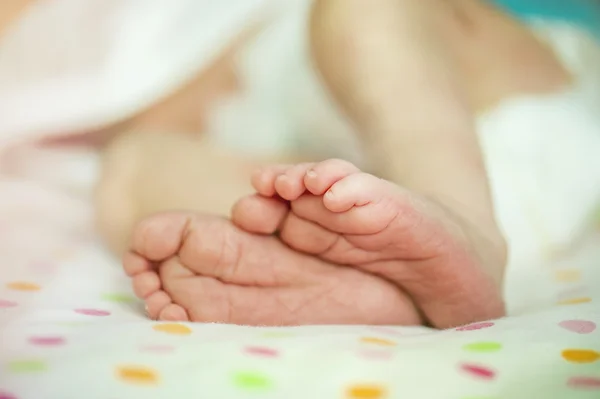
159	237
258	214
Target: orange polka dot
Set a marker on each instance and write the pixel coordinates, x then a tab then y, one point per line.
568	275
366	391
575	301
23	286
580	355
377	341
137	375
172	328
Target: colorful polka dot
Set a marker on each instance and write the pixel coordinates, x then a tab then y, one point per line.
47	341
137	375
172	328
377	341
575	301
568	275
580	355
476	326
27	366
578	326
483	347
93	312
584	383
478	371
118	298
23	286
261	351
5	304
366	391
252	380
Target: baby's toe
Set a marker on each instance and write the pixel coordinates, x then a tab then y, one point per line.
173	312
145	284
319	178
263	179
290	184
156	302
134	264
258	214
359	189
159	237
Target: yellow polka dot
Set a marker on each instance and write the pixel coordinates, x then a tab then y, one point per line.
137	375
568	275
23	286
580	355
173	328
575	301
377	341
366	391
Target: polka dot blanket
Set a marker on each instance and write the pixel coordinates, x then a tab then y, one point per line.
72	329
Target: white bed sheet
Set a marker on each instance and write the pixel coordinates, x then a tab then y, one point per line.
71	328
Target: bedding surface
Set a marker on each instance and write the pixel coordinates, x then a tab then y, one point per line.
71	328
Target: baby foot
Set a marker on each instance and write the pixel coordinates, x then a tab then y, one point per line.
345	216
189	267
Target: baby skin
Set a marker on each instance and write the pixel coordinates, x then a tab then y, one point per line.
190	267
347	217
355	245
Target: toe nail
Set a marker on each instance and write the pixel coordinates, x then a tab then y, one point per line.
311	174
329	194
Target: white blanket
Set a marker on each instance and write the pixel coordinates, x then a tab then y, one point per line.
70	327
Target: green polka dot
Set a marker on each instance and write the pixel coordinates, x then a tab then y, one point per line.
251	380
118	298
27	366
483	347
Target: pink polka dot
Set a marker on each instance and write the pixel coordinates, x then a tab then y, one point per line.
5	395
481	372
476	326
261	351
47	341
157	348
578	326
92	312
589	383
7	304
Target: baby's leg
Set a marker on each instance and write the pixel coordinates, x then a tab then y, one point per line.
427	144
392	72
144	173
